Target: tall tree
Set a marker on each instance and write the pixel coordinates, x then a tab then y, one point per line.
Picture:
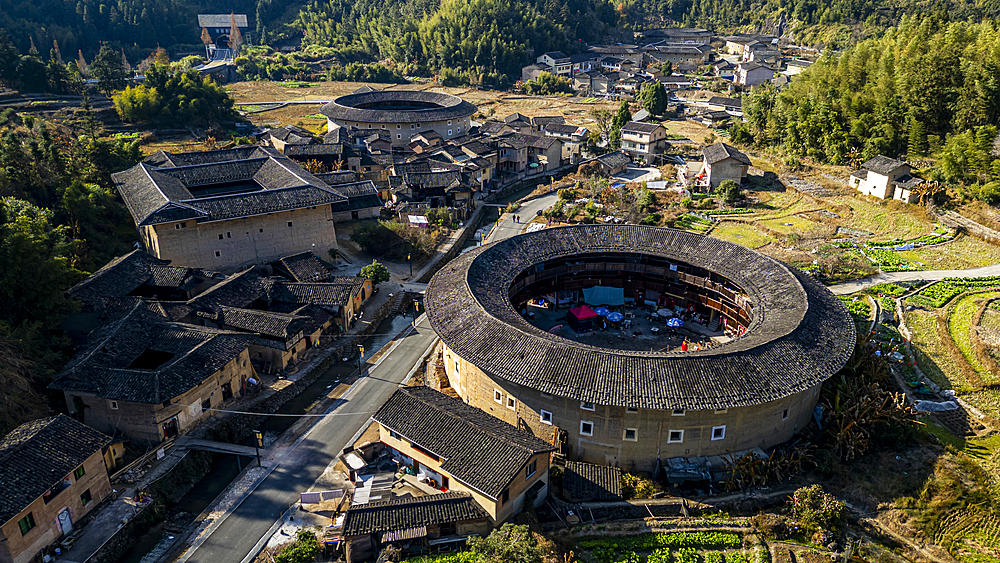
9	57
653	97
205	37
235	37
108	70
81	65
621	119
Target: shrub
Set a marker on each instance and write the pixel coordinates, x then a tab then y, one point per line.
816	509
771	526
304	549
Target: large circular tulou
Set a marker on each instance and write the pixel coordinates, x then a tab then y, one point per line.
611	405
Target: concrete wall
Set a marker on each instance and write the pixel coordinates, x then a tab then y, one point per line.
142	422
401	132
15	548
245	242
363	213
763	425
723	170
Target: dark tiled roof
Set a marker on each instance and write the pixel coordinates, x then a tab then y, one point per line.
327	149
614	159
328	294
39	454
566	129
222	20
556	55
238	290
275	325
725	102
339	177
157	195
800	334
882	164
638	127
192	354
116	278
721	151
584	482
163	159
908	182
546	120
477	448
491	127
292	135
411	512
412	104
305	267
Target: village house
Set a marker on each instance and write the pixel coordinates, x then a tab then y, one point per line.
753	74
219	27
886	178
150	378
796	66
683	57
733	106
644	140
592	82
533	153
742	44
680	35
533	71
614	162
714	118
288	135
462	448
433	520
54	474
227	209
558	63
723	162
571	136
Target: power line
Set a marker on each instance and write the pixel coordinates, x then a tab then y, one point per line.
285	414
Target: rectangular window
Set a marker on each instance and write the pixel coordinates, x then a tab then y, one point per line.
114	405
220	236
784	414
229	234
504	497
678	412
412	126
587	406
531	469
289	223
398	136
218	254
498	396
449	122
184	225
718	432
206	404
26	524
396	435
546	417
85	498
449	131
675	437
631	435
78	473
398	126
511	403
586	428
631	409
721	411
260	230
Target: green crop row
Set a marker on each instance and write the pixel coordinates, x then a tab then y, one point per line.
733	211
676	540
858	307
941	293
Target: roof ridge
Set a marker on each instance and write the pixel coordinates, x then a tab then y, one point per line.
469	423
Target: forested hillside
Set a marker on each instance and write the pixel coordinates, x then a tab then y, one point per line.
139	25
483	37
926	88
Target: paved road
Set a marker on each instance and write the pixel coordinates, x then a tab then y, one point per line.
528	211
302	464
927	275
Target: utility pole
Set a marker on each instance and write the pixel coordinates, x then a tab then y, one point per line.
259	436
361	356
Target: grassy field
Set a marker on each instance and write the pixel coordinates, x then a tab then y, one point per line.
740	233
963	252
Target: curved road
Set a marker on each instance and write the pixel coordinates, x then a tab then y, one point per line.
300	465
925	275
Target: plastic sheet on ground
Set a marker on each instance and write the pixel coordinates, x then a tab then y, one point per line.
933	406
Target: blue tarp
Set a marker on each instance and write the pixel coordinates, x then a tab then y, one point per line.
599	295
